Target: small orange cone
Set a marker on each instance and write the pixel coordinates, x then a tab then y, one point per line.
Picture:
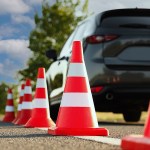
77	113
40	112
9	109
26	104
138	142
19	105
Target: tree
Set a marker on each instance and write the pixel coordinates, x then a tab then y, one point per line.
3	96
51	31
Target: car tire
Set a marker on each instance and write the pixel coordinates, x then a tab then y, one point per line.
132	116
54	112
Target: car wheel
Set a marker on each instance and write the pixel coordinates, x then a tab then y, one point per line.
54	112
132	116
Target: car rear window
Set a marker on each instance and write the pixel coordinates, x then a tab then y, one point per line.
126	22
126	19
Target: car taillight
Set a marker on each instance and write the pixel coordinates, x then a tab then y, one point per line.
94	39
96	89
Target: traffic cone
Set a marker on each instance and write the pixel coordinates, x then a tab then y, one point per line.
138	142
77	113
21	101
26	104
9	109
40	112
19	104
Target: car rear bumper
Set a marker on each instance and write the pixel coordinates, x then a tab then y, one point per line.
120	98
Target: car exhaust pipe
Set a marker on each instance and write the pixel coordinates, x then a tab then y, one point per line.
109	96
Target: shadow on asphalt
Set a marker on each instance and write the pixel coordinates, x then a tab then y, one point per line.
120	123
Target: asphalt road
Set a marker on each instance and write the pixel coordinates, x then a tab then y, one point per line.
17	137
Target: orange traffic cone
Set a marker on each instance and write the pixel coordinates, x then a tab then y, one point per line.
40	112
26	104
77	113
19	104
9	109
138	142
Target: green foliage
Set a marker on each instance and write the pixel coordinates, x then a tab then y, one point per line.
54	27
15	96
3	96
35	62
59	82
51	31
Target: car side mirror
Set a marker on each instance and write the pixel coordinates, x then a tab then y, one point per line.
51	54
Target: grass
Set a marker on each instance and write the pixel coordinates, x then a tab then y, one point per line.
111	117
1	116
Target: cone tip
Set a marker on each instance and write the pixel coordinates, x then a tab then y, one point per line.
28	82
22	86
76	42
41	72
9	90
77	52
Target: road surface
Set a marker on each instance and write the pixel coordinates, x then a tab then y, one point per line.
17	137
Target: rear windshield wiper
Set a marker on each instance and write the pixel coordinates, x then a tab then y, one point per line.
135	26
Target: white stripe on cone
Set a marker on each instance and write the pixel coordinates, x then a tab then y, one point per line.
19	107
76	100
27	90
9	108
22	93
27	105
9	96
40	103
41	83
77	70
